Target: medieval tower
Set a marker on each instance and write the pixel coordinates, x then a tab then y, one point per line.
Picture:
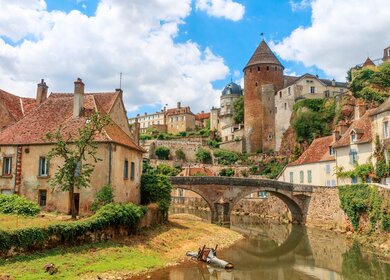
263	76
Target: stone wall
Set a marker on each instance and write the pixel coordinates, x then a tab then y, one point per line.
235	146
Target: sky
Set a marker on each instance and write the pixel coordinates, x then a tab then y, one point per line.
179	50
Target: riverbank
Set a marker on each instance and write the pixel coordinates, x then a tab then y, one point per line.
152	249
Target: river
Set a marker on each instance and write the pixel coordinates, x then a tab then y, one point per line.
272	251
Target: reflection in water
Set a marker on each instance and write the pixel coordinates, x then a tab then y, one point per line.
273	251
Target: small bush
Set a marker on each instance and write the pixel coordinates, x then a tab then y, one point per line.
203	156
17	205
228	172
103	197
162	153
226	157
213	143
167	170
180	155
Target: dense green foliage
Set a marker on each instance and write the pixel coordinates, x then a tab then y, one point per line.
162	153
126	215
357	266
358	199
272	168
361	171
17	205
313	117
162	169
203	156
372	85
213	143
156	188
78	155
228	172
180	155
103	197
238	107
226	157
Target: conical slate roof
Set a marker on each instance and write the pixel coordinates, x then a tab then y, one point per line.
263	55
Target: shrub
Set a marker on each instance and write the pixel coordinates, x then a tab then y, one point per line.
180	155
17	205
156	188
213	143
103	197
126	215
228	172
226	157
203	156
162	153
166	170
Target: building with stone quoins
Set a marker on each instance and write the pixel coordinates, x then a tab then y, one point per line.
26	170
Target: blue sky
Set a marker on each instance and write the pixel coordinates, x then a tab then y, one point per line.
187	50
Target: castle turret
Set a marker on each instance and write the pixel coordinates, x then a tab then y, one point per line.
263	76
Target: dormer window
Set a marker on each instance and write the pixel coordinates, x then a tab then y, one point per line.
353	137
331	151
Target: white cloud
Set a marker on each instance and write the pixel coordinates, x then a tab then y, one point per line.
133	37
341	35
299	5
221	8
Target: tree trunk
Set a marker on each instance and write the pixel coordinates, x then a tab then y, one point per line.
72	205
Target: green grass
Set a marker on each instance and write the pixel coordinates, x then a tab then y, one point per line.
81	261
10	222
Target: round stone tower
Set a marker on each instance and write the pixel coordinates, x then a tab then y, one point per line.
263	76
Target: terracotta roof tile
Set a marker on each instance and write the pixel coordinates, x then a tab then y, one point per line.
202	116
177	111
317	151
193	171
57	111
362	127
16	106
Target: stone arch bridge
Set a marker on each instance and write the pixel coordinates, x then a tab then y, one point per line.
222	193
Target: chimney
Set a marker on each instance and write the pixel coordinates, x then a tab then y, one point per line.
178	105
360	109
340	129
136	129
41	92
78	98
333	82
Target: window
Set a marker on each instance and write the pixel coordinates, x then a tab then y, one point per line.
386	130
352	156
6	192
291	177
328	183
250	70
276	68
7	166
258	69
354	180
289	91
132	170
177	119
280	94
267	68
331	151
183	118
301	177
353	137
285	106
126	170
312	89
333	184
42	198
328	169
171	119
43	167
309	179
262	194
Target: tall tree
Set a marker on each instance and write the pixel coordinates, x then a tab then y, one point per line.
75	152
238	114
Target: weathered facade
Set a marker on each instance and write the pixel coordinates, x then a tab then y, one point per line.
180	119
263	76
26	169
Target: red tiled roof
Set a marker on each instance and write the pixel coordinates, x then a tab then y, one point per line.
177	111
193	171
202	116
17	106
361	126
57	111
317	151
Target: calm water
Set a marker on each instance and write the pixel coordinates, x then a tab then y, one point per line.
283	252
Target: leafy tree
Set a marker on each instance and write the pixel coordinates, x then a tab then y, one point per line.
75	170
203	156
238	114
103	197
162	153
156	188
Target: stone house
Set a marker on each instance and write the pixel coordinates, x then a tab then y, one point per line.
295	89
202	119
26	169
13	108
155	120
354	144
314	167
180	119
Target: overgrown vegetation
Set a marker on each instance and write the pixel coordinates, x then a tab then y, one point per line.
360	199
203	156
360	171
126	215
313	117
228	172
372	85
162	153
226	157
17	205
76	170
156	188
238	114
180	155
271	168
103	197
